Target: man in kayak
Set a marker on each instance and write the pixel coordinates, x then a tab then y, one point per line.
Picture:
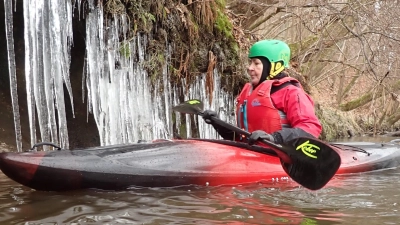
272	106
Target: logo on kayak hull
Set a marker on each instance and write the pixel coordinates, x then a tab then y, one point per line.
308	149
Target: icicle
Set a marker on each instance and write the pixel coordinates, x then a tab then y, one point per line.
38	79
48	123
95	59
48	37
221	102
59	30
66	43
30	69
12	71
78	5
119	89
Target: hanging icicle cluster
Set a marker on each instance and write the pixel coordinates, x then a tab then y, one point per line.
125	104
48	39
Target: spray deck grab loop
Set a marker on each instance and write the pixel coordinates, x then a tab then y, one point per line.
351	148
43	144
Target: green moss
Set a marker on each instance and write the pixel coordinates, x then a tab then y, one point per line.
146	18
223	25
235	47
124	50
221	3
194	25
154	66
174	73
137	10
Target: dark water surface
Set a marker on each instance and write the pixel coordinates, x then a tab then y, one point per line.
367	198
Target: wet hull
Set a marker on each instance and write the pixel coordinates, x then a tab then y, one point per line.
380	156
168	164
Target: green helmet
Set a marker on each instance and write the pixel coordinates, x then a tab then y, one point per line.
276	51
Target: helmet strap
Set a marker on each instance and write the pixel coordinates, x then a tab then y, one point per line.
276	68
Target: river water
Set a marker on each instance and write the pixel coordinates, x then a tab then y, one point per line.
367	198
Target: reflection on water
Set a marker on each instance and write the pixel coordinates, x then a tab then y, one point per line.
368	198
371	198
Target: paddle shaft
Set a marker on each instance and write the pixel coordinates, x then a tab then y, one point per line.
278	149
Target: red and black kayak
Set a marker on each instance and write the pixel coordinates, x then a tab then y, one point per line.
171	163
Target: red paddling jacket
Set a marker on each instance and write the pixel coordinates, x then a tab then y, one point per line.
279	107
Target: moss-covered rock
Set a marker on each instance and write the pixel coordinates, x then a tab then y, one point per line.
195	29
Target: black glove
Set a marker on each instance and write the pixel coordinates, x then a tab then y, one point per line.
207	114
259	134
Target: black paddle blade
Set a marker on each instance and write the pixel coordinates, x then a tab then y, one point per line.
193	106
314	162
